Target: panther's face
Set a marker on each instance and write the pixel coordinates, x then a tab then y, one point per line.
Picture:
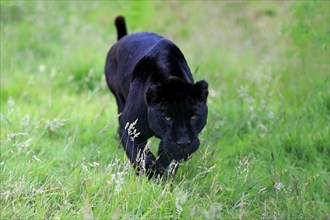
177	113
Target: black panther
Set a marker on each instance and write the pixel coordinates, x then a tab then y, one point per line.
154	88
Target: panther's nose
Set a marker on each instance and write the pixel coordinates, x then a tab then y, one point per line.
183	143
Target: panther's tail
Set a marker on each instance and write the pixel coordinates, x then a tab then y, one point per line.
121	27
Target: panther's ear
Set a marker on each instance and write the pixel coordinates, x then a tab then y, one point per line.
202	92
152	95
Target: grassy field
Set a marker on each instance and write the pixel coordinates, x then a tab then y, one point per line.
264	153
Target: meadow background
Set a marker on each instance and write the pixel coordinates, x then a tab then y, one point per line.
264	153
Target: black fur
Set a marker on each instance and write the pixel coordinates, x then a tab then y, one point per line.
152	82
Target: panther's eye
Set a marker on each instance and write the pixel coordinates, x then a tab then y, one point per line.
168	118
193	117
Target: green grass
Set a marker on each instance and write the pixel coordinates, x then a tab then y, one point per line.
265	151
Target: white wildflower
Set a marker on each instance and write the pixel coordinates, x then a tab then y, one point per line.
131	131
54	124
111	165
278	186
243	165
40	190
118	180
34	157
126	126
22	146
94	164
84	167
14	135
180	199
141	160
243	168
173	167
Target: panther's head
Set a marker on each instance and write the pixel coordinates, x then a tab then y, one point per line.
177	113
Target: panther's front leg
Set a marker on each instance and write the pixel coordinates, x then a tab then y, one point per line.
141	157
163	157
169	165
